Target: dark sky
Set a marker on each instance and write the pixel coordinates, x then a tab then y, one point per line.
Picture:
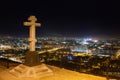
80	18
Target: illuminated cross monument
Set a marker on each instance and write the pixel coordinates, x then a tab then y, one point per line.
32	66
32	40
32	57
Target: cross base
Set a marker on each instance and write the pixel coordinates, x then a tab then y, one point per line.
23	71
32	58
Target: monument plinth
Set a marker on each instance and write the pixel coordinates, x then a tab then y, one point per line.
32	58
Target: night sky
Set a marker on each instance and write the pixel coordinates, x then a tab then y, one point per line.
80	18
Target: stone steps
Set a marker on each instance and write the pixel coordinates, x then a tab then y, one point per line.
35	71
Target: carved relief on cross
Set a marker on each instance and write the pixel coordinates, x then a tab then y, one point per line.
32	23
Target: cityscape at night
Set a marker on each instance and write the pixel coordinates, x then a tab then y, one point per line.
42	40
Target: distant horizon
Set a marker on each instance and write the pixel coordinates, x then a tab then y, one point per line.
38	36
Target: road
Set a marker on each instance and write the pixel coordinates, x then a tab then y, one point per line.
50	50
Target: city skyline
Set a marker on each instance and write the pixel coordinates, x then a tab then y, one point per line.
62	18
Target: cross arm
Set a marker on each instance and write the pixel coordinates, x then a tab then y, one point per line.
30	23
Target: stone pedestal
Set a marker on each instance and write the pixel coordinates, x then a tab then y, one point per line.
23	71
32	67
32	58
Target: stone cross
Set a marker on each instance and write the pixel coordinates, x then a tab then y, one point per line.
32	39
